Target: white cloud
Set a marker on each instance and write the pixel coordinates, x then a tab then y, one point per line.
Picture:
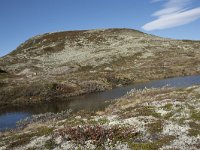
166	11
174	13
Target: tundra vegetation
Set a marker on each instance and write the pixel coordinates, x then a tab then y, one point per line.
62	64
165	118
58	65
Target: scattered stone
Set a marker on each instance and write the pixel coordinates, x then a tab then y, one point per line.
108	69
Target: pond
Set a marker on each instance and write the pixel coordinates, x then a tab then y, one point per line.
90	102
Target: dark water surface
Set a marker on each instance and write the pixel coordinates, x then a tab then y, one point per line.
90	102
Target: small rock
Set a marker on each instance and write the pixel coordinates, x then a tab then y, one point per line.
58	140
93	71
78	117
108	69
84	119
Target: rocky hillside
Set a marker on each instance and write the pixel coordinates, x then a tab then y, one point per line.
57	65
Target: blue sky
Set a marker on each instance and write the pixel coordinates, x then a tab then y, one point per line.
22	19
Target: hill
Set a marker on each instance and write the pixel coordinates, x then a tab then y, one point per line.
54	66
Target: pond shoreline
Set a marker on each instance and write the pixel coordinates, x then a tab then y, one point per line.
155	118
86	102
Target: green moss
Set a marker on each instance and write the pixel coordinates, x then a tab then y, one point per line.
179	109
100	147
85	68
142	146
167	107
168	115
195	115
43	131
92	122
151	145
139	111
194	125
61	123
74	122
120	136
165	140
102	121
3	76
195	129
197	96
22	139
32	148
50	144
147	111
155	127
128	138
79	147
193	132
180	121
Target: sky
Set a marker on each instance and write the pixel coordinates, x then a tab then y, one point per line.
22	19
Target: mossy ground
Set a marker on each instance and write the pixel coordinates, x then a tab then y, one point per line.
164	118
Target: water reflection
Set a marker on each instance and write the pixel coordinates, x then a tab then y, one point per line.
9	120
90	102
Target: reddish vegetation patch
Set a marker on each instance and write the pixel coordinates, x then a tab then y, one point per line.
97	134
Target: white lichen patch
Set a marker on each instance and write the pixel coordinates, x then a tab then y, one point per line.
3	148
67	145
58	140
183	142
36	142
147	54
162	112
137	122
172	128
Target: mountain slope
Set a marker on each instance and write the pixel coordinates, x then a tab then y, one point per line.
54	66
74	48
